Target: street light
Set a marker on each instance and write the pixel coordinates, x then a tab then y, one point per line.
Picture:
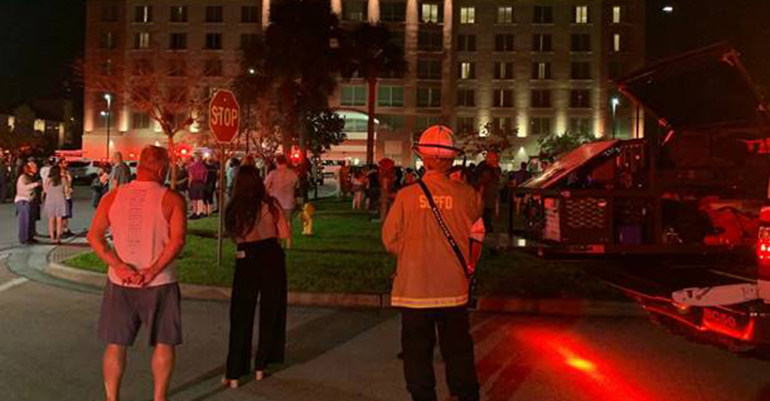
108	98
668	9
614	102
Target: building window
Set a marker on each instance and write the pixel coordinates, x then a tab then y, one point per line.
142	40
393	12
502	98
214	14
390	96
428	96
543	15
616	45
580	70
394	122
107	40
109	13
356	125
541	42
466	124
504	43
430	41
466	70
177	68
213	68
466	43
467	15
430	13
504	15
580	42
421	123
580	98
177	41
178	14
504	70
249	14
581	15
503	124
354	11
541	70
580	125
541	98
107	68
140	120
615	70
142	67
540	126
617	14
466	98
353	95
213	41
429	69
248	40
143	14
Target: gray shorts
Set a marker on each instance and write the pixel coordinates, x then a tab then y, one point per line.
125	310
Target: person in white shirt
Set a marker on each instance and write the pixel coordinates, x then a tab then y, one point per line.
281	184
25	196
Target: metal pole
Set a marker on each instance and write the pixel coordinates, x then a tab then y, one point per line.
109	116
221	203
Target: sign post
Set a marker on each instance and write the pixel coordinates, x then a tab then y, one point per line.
224	119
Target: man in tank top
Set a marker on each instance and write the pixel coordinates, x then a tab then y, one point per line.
148	225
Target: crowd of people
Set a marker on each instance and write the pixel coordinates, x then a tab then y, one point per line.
431	218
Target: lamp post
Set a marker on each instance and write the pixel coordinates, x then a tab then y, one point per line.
108	98
614	102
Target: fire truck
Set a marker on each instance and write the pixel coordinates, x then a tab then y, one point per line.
679	208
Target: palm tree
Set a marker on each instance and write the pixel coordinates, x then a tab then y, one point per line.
370	52
296	62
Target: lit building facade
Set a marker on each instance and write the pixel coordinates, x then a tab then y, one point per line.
534	66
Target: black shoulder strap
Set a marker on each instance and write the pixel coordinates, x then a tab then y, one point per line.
444	228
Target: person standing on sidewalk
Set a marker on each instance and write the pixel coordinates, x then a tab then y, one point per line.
281	184
121	173
25	195
254	220
148	226
430	286
55	205
488	184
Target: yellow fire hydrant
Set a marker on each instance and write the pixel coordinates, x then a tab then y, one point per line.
308	210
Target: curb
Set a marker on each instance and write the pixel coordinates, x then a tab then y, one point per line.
543	307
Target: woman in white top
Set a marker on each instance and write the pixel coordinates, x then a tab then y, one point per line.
255	222
25	195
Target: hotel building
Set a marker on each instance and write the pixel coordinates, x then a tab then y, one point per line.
535	67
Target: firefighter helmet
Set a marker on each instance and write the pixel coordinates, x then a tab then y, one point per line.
437	141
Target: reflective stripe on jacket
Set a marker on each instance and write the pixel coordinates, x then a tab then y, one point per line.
428	273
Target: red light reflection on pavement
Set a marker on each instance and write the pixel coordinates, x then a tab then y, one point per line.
596	375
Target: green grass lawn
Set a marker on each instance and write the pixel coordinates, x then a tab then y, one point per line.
346	255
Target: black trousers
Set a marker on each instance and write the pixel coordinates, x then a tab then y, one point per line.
418	339
260	273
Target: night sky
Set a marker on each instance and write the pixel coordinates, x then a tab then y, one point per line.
39	40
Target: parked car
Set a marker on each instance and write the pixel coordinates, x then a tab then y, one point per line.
79	170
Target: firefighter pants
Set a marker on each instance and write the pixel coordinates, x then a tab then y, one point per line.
418	339
260	271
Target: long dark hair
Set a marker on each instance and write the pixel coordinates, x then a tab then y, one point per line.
245	207
54	174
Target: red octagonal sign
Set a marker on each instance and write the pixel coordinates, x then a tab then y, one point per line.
224	114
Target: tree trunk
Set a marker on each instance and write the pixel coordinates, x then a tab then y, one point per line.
370	123
172	160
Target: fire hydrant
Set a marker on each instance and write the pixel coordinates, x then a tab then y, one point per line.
308	210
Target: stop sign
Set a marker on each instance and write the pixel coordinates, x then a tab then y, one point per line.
223	116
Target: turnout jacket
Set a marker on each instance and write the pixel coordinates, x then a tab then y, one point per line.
428	273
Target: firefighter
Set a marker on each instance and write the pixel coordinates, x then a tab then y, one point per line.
430	286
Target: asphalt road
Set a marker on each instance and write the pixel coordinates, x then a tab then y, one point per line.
48	350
